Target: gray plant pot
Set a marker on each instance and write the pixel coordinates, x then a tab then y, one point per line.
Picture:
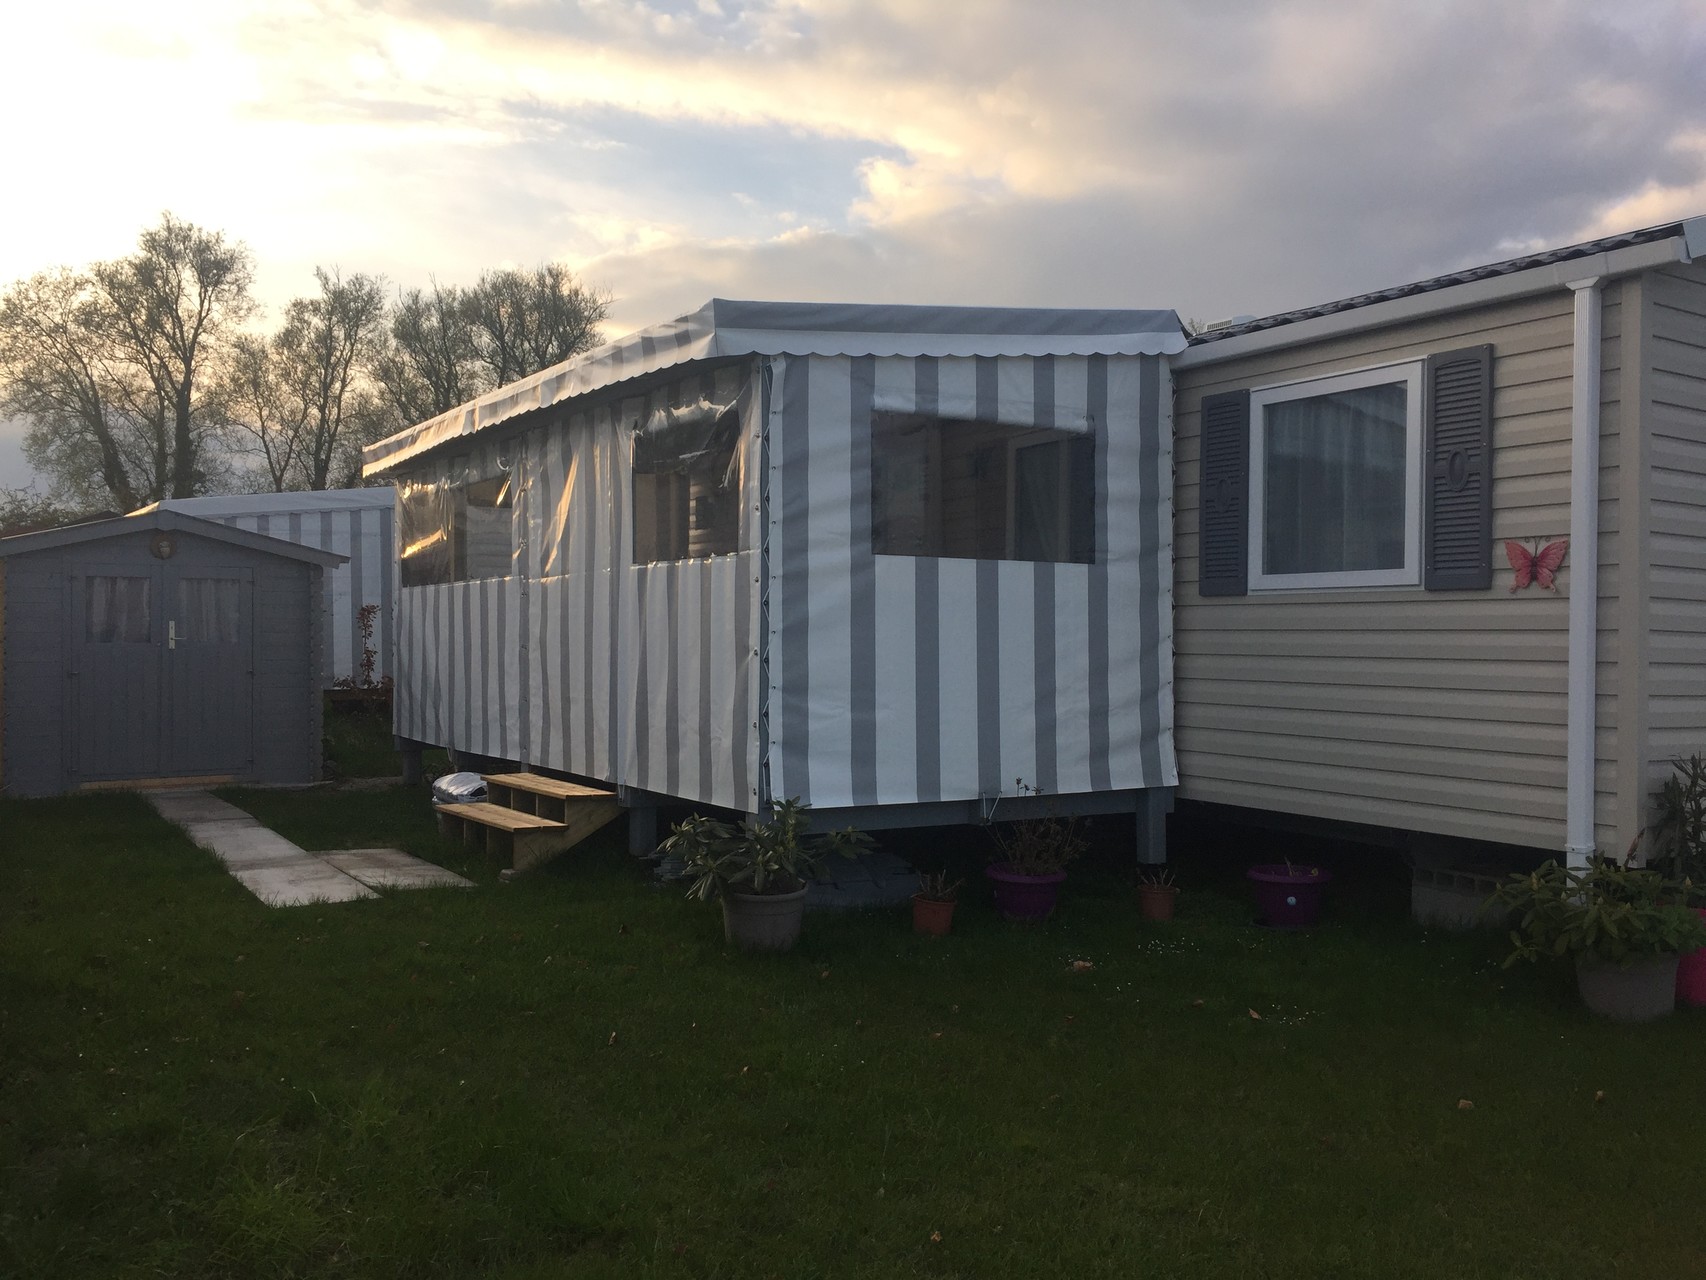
1641	992
764	921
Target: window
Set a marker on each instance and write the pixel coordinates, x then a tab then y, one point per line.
1335	481
116	610
687	483
456	533
210	609
975	490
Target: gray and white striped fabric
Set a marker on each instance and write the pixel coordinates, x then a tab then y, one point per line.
582	661
847	678
357	523
896	679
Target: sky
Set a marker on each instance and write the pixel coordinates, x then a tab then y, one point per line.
1212	156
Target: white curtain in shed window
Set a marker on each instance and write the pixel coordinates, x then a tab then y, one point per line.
208	608
116	610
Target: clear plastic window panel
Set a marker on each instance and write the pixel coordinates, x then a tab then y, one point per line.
458	526
688	478
946	487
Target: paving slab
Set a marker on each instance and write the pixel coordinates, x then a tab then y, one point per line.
279	873
393	869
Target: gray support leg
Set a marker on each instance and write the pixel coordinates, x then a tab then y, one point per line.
643	830
1153	806
411	753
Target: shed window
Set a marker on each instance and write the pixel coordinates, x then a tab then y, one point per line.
687	483
456	532
1334	481
975	490
117	610
208	608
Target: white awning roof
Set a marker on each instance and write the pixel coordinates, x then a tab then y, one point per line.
300	501
724	328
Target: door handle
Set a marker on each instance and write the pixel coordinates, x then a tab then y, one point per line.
171	635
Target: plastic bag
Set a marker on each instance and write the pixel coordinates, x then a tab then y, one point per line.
459	788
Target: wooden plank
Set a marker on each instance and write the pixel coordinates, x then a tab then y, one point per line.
494	815
543	786
158	784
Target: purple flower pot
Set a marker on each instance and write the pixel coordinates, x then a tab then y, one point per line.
1691	975
1025	898
1288	897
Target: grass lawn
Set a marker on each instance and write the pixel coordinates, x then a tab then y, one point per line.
358	744
570	1076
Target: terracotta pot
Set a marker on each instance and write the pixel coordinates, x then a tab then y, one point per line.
932	917
763	921
1155	901
1024	898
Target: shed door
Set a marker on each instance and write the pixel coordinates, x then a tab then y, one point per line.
117	625
161	661
210	642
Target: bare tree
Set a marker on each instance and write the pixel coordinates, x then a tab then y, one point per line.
166	309
447	345
95	428
525	321
259	404
427	366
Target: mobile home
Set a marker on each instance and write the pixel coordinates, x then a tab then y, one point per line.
1352	638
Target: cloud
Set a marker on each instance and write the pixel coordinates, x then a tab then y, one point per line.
1217	159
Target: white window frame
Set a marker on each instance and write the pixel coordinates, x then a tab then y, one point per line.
1410	374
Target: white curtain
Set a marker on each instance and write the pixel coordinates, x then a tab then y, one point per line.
117	610
209	609
1333	487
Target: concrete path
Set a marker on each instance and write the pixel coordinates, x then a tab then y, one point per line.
282	874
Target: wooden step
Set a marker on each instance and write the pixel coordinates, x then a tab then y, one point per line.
528	838
495	815
531	793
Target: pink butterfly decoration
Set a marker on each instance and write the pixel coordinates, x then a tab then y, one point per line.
1536	566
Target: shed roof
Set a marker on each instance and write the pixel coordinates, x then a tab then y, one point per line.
243	504
165	521
1692	232
730	328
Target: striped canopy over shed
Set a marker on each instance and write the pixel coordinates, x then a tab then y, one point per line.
862	556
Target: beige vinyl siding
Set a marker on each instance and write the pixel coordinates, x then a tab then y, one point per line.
1674	413
1428	711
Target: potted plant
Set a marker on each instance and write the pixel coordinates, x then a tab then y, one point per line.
1617	921
760	871
1031	858
1156	894
933	904
1679	852
1288	895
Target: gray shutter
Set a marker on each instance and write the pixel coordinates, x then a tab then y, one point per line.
1223	496
1457	474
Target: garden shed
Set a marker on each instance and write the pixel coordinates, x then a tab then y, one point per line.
902	563
158	648
356	524
1362	487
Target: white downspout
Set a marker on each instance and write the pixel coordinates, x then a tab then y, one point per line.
1584	575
